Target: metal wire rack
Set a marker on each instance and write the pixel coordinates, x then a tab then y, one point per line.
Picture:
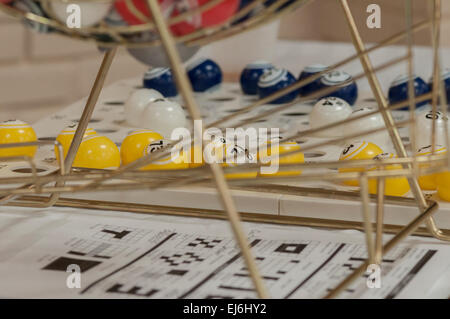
38	190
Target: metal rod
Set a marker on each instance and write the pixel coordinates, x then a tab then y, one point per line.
435	37
89	108
406	231
367	220
379	221
382	103
435	31
216	214
225	194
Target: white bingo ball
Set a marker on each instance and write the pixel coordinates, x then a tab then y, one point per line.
163	116
155	56
424	124
370	122
329	110
91	13
136	103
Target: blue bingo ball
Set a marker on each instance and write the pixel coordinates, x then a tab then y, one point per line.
204	74
274	80
242	5
161	80
268	3
313	86
250	76
346	88
398	91
445	77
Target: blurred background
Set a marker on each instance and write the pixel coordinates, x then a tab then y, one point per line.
41	73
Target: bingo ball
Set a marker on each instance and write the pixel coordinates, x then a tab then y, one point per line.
218	14
155	56
443	185
15	131
274	80
136	103
175	160
428	181
393	186
398	91
270	156
97	152
242	5
204	74
370	122
134	145
424	123
268	3
65	138
250	76
357	151
214	151
346	88
161	80
194	151
236	155
33	7
115	19
445	78
327	111
133	11
316	84
91	13
163	116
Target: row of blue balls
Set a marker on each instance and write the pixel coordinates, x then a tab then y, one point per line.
263	79
250	81
399	89
204	75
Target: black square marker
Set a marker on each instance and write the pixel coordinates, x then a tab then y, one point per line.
62	263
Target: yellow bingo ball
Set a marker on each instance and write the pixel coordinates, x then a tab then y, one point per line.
65	138
269	155
428	182
443	185
178	160
15	131
133	146
393	186
358	151
214	149
196	156
97	151
236	155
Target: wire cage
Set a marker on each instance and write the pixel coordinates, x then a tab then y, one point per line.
44	190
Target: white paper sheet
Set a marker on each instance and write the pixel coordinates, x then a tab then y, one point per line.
124	255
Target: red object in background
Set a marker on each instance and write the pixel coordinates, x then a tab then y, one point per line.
5	1
141	5
214	16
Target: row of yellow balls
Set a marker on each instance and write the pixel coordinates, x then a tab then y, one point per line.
99	152
395	186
